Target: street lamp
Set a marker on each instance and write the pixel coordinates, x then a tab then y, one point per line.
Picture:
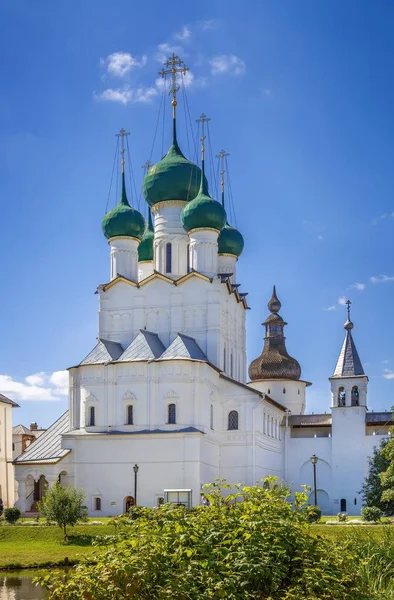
314	460
135	469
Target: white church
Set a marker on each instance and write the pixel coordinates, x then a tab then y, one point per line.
164	402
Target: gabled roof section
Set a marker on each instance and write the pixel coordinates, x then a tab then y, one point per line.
6	400
107	286
349	363
184	346
103	352
147	345
192	274
155	275
21	430
47	448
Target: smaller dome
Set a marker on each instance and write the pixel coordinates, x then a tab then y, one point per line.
274	304
203	212
230	241
348	325
145	249
123	220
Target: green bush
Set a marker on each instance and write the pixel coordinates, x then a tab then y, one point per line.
248	544
371	514
342	517
12	514
313	514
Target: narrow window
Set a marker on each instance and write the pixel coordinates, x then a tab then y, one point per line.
188	258
92	416
211	416
298	392
355	396
168	258
343	504
130	420
269	391
232	420
341	396
171	414
224	359
284	390
231	365
97	503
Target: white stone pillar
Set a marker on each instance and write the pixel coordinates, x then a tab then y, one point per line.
169	230
227	263
204	251
145	268
124	257
21	502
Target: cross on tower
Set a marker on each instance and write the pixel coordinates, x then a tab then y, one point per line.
222	156
147	166
203	119
122	134
177	66
348	309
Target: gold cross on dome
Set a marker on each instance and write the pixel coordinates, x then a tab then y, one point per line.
222	155
203	119
147	166
174	66
122	134
348	309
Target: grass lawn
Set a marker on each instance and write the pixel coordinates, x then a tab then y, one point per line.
336	531
25	546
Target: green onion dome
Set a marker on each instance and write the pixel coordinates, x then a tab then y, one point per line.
172	178
203	212
123	220
145	249
230	241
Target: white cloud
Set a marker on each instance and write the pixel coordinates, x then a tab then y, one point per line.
128	95
331	308
165	50
208	25
382	279
385	361
388	374
342	300
227	63
120	63
383	218
358	286
320	238
36	387
184	34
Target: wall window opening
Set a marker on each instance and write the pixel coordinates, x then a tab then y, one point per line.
211	417
233	420
171	414
129	415
168	258
92	416
343	504
355	396
341	397
97	504
284	390
188	258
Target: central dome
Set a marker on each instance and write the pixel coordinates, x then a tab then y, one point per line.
172	178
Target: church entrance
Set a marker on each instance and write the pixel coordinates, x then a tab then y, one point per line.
343	505
129	502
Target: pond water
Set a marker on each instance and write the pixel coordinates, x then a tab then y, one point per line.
17	585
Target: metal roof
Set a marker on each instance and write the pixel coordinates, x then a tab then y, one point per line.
349	363
6	400
145	346
47	448
184	346
381	418
310	420
21	430
103	352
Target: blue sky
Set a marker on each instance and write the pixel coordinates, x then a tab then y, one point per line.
301	95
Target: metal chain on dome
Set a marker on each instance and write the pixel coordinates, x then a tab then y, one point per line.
131	176
211	163
231	198
185	113
112	175
157	122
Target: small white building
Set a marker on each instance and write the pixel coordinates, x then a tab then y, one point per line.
163	404
7	485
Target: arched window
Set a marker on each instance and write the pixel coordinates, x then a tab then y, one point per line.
343	504
172	414
355	396
211	416
92	416
233	419
284	390
97	504
188	258
168	258
341	396
129	415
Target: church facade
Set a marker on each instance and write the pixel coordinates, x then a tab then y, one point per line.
164	402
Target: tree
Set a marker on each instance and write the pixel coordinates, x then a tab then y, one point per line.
387	476
247	543
63	505
372	489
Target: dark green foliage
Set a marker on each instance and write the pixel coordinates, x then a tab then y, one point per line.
12	514
387	476
371	513
313	514
63	505
372	489
250	544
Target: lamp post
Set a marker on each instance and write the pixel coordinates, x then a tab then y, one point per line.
314	460
135	469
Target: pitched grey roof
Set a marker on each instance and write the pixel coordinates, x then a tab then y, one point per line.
145	346
104	351
310	420
21	430
349	363
184	347
47	448
381	418
6	400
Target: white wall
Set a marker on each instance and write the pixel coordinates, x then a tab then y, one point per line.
6	469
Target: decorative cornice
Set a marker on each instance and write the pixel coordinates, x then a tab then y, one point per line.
123	237
204	229
165	203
